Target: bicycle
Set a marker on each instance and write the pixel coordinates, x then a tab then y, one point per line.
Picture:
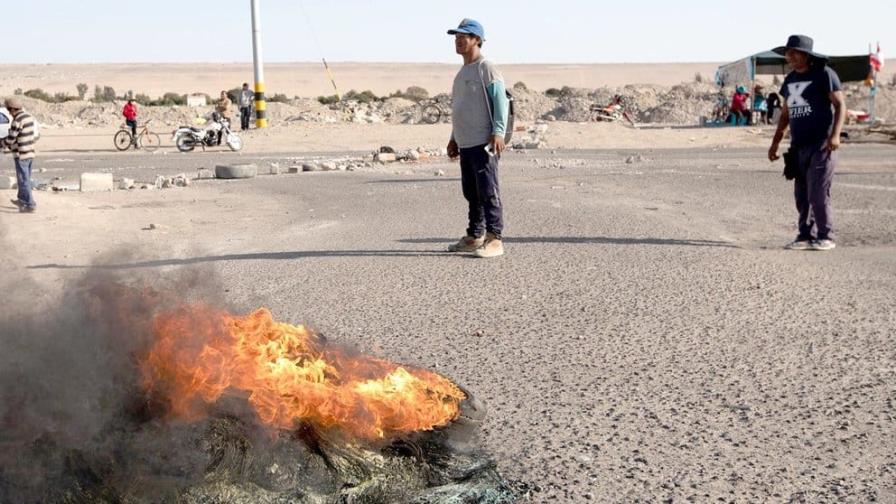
432	111
146	139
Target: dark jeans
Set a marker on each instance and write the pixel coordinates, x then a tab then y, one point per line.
133	125
479	178
23	180
245	116
812	190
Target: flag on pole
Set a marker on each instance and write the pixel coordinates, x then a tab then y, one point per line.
877	60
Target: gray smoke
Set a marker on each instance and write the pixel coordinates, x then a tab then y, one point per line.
72	412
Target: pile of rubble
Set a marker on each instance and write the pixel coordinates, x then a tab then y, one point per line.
681	104
104	181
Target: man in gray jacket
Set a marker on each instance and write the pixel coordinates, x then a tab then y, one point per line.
480	111
245	102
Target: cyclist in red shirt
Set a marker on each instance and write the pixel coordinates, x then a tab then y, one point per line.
130	117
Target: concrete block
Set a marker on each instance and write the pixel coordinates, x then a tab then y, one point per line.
385	157
92	182
7	182
237	171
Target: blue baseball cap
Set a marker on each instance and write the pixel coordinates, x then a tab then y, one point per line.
469	26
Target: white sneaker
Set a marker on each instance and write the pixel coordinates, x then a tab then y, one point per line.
825	244
491	248
799	244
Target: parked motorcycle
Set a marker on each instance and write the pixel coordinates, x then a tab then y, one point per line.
186	138
616	111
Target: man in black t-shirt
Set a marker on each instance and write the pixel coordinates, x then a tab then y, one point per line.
814	110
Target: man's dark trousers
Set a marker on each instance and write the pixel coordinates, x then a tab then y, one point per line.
132	123
812	190
245	116
479	177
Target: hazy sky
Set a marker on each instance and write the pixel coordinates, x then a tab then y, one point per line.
548	31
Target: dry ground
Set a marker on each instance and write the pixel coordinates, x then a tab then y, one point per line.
310	79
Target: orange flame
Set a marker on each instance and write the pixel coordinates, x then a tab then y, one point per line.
290	376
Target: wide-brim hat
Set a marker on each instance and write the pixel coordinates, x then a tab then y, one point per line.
802	43
470	27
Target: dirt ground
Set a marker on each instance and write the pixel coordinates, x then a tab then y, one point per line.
339	137
644	339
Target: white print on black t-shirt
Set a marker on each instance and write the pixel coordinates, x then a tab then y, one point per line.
797	106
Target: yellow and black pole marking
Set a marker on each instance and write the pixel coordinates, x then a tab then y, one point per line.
261	106
332	80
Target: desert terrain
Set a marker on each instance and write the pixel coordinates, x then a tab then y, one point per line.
310	79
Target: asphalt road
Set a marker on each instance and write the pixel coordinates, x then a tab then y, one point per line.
645	338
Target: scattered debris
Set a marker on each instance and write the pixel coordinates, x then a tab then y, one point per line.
163	182
534	138
385	157
679	104
94	182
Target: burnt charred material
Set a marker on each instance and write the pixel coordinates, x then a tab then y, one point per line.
227	459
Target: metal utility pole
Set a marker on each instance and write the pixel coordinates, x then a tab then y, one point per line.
260	104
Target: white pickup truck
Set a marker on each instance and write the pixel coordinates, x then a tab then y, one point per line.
5	119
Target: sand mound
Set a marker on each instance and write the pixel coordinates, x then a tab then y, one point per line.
680	104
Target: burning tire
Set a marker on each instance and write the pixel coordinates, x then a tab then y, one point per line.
220	407
238	171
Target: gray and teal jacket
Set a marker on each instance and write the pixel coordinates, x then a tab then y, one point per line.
479	107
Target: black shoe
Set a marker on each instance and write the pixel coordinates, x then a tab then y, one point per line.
17	202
